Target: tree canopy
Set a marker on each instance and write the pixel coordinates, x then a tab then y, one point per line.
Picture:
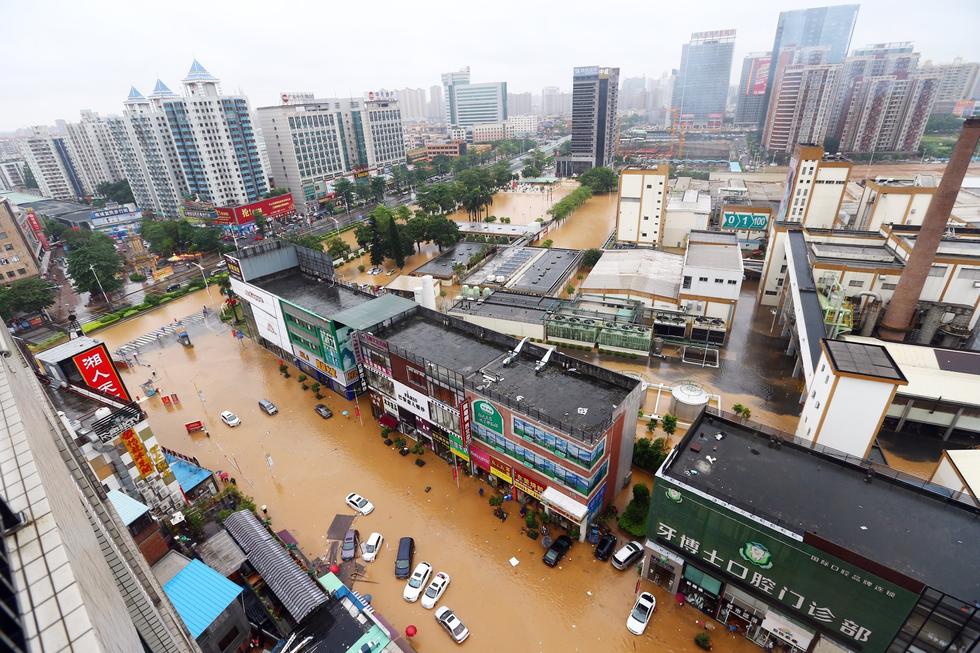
94	251
600	180
26	296
168	237
116	191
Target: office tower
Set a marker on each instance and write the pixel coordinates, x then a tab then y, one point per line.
201	144
314	142
73	577
801	102
701	88
50	161
436	107
888	113
93	152
551	101
473	104
958	81
595	93
449	82
519	104
751	94
412	103
633	94
817	26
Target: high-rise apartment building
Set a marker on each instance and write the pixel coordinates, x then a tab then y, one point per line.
750	97
958	81
412	103
595	97
801	103
519	104
204	139
551	101
312	143
817	26
888	113
701	87
12	174
49	159
473	104
93	151
436	106
9	149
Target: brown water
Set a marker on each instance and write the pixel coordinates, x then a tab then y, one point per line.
589	226
522	208
581	606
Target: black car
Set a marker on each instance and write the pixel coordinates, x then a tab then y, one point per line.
323	411
605	546
172	287
348	551
403	560
557	550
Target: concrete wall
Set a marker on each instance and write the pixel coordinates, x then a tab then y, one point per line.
679	223
711	287
772	269
825	194
510	327
642	197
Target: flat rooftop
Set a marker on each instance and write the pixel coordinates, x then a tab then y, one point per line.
546	272
714	256
908	529
495	228
863	358
868	255
649	271
530	309
442	266
445	346
325	298
813	317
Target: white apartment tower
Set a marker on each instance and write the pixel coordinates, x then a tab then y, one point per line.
93	152
801	102
49	159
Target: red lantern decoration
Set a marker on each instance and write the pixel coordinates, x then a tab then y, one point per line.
334	568
411	630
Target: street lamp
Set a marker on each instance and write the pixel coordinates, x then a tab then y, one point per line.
204	276
108	303
337	223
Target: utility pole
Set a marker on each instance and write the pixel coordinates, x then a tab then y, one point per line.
108	303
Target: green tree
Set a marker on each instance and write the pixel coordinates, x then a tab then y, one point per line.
378	188
276	191
403	213
670	424
26	296
944	124
53	229
600	180
118	191
376	243
395	248
305	240
530	171
338	248
362	188
417	229
546	243
98	252
591	257
260	221
206	239
443	232
345	191
634	518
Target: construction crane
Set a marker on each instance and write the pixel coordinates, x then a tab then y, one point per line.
677	129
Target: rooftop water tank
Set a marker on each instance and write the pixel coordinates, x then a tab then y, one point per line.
687	400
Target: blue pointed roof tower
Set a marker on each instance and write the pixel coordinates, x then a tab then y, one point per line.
134	95
161	90
199	73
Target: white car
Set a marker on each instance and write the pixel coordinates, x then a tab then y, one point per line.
448	620
359	503
230	418
435	590
371	548
416	582
628	555
645	604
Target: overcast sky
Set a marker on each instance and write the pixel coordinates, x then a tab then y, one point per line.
62	56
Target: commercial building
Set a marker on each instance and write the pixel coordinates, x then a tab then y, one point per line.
750	101
201	143
73	575
888	113
520	126
468	104
21	243
701	87
774	539
642	205
802	28
50	161
595	93
550	429
314	142
93	151
116	221
801	101
958	81
488	133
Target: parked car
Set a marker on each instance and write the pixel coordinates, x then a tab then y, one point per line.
627	555
230	418
359	503
371	548
557	550
348	550
605	546
448	620
639	617
435	590
416	584
403	560
268	407
323	411
172	287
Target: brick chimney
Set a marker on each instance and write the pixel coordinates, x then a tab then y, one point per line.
901	308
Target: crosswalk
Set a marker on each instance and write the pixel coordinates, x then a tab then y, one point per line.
133	346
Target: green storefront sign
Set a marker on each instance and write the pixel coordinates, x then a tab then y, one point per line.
738	220
485	414
799	580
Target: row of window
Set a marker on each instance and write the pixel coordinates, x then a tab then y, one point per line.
559	446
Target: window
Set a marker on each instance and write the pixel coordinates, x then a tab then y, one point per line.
771	292
229	637
717	280
21	271
11	274
889	286
970	273
855	283
415	377
732	282
687	283
782	269
703	279
779	284
938	271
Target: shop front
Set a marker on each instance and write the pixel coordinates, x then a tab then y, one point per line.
441	443
779	633
569	511
663	567
527	490
742	613
493	471
700	590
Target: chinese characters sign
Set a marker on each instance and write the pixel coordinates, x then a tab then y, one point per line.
527	485
485	414
134	445
99	373
811	585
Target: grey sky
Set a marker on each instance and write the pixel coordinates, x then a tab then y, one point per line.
62	56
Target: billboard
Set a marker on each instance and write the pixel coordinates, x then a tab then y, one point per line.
99	373
759	76
735	219
273	207
136	449
799	580
265	309
36	229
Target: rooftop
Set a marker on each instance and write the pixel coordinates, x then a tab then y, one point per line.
716	237
375	311
912	530
649	271
862	358
496	228
503	305
200	595
60	209
690	200
869	255
221	553
326	298
129	509
713	256
441	266
188	475
813	318
966	462
442	345
546	271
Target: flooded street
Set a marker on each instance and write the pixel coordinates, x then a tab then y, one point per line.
522	208
581	606
590	224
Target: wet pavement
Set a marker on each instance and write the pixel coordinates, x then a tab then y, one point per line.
581	606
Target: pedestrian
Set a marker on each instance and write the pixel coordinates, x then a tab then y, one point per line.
154	373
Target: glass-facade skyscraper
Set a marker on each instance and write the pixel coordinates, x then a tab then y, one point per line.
701	87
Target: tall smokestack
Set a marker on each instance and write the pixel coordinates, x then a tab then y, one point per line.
901	308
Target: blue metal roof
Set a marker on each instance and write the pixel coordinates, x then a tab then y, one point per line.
188	474
129	509
199	73
200	595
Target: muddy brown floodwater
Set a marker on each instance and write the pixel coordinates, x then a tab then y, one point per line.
581	606
522	207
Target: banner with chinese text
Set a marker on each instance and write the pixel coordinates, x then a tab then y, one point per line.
99	372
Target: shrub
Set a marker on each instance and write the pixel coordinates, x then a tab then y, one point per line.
570	289
131	312
400	442
137	277
305	387
531	519
385	432
634	518
703	640
650	455
152	298
361	268
496	500
301	378
652	425
591	257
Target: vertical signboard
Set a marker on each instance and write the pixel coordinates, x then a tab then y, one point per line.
99	373
36	229
134	445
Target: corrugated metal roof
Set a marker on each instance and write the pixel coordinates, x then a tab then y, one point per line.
188	475
67	349
298	593
200	595
129	509
649	271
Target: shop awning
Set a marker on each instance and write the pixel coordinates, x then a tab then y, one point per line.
567	505
787	631
389	421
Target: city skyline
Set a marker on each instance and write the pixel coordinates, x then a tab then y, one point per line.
46	86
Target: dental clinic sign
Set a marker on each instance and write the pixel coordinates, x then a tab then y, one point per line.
485	414
836	597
